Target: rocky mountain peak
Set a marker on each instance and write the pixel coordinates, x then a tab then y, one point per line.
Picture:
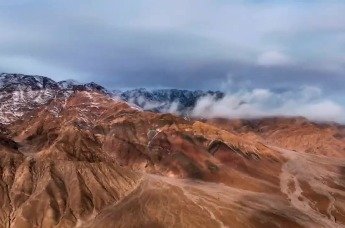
21	93
13	82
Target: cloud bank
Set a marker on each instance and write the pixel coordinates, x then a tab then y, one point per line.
306	101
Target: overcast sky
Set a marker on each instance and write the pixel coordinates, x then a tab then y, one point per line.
195	44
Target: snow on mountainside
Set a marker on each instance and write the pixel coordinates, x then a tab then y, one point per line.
68	84
166	100
14	82
19	94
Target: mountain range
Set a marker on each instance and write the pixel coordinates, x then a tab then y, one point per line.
22	93
78	155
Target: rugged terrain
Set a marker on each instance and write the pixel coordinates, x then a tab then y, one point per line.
297	133
19	94
86	159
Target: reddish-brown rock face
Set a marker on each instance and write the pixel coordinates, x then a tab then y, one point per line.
297	134
91	161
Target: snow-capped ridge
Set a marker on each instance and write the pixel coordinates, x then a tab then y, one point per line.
19	93
68	84
13	82
17	82
166	100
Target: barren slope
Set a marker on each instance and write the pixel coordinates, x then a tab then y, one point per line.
295	133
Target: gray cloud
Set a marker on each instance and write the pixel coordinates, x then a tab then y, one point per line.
204	44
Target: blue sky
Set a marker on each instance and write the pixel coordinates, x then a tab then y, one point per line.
196	44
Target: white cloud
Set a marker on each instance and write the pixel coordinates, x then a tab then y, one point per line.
273	58
321	110
306	101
